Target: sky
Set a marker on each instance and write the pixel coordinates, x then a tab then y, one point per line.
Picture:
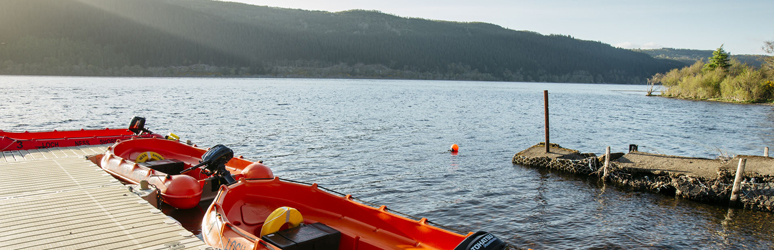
741	26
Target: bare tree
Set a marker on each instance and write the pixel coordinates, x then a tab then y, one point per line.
652	83
768	46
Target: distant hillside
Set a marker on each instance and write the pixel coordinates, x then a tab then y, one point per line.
203	37
689	56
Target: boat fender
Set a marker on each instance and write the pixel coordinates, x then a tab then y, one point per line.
257	171
280	217
149	156
481	241
182	191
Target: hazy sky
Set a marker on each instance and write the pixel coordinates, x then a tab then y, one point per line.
741	25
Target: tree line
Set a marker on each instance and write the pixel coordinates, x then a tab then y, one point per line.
204	37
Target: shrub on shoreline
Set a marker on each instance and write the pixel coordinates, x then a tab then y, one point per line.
736	83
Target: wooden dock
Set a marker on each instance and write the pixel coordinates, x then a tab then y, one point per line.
57	199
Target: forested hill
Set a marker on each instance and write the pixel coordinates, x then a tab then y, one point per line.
203	37
690	56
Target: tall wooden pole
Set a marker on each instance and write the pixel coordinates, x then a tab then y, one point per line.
545	100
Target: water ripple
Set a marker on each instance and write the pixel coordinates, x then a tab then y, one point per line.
385	142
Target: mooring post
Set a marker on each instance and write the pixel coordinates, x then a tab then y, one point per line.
766	151
607	163
633	148
545	104
738	180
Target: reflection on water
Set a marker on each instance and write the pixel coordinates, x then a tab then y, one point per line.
386	142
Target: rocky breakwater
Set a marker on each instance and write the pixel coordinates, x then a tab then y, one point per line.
699	179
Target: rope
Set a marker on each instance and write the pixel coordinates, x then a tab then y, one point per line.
158	195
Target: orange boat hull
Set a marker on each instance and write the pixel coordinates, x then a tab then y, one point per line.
70	138
178	190
235	218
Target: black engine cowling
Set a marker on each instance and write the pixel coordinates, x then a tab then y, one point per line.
214	162
137	125
216	159
481	241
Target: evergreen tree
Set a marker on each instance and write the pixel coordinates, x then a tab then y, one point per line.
719	59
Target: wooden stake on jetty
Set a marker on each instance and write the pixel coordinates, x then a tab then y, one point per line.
738	180
607	162
766	151
545	101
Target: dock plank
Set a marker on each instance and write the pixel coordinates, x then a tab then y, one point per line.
7	157
26	155
47	153
95	149
62	152
83	151
52	153
17	155
77	206
36	154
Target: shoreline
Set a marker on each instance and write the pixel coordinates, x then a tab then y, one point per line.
311	77
716	100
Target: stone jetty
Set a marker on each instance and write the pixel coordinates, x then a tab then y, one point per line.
699	179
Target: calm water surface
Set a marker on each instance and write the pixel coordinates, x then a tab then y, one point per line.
385	142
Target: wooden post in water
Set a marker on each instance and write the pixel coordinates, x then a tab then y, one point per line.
766	151
607	163
545	104
738	180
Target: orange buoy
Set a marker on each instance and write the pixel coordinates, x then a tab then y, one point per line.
454	148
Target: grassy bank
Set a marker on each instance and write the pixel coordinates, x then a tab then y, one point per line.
720	80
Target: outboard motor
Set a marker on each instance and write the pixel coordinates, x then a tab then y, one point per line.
137	125
214	162
481	241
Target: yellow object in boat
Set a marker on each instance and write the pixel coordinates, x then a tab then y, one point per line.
149	156
172	136
279	217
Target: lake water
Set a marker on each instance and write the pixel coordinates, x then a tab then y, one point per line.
386	142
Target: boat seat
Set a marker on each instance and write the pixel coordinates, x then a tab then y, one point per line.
254	214
167	166
316	236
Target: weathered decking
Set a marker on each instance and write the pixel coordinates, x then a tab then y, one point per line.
56	199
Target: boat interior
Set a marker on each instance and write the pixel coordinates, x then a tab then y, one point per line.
248	204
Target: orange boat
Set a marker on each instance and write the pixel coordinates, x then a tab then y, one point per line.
166	164
69	138
10	141
264	212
